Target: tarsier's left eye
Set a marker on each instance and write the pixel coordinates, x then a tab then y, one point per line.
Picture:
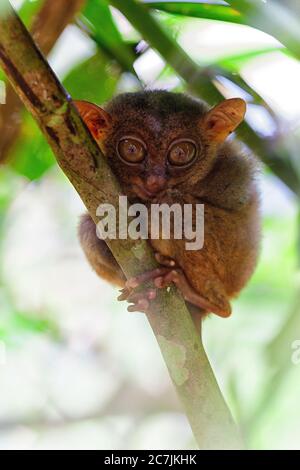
131	149
182	152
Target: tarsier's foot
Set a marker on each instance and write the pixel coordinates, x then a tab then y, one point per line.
163	277
165	260
140	300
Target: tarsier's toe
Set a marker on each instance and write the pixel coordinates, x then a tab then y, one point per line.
140	300
170	277
165	260
141	305
124	293
135	297
141	279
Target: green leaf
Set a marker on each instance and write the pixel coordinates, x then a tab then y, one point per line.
31	155
28	10
30	323
14	325
95	79
97	17
234	62
200	10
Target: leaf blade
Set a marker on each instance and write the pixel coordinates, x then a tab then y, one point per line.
200	10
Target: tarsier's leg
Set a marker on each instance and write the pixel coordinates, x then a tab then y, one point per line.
103	262
208	297
98	253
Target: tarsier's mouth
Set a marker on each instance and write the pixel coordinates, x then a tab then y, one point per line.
144	193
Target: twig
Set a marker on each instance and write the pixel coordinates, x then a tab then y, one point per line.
88	171
272	18
127	398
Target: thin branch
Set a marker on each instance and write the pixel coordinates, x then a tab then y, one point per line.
88	171
48	25
127	398
51	21
272	18
201	83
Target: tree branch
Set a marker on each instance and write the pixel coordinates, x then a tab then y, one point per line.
46	28
88	171
51	21
272	18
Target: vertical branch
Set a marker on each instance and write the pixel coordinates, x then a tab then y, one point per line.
51	21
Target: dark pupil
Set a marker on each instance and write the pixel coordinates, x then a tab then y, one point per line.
179	153
182	154
131	150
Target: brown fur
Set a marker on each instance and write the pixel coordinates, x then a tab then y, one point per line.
223	178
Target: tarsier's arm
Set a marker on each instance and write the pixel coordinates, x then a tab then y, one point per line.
231	184
98	254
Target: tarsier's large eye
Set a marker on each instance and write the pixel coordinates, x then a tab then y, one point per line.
182	152
131	149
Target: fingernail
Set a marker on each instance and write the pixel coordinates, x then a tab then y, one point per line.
132	283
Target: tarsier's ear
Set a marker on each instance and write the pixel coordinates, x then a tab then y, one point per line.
223	119
97	120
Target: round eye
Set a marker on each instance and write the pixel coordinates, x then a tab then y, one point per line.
182	153
131	150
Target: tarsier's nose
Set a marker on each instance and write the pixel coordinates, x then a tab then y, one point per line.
155	183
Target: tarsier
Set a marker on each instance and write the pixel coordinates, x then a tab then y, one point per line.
166	147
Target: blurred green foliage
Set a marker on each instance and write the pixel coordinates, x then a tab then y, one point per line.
203	10
83	80
97	18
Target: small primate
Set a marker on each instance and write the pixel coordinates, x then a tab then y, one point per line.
170	148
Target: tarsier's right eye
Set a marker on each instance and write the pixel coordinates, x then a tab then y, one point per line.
182	152
131	149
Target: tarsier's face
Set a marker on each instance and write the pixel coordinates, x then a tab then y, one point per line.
159	141
152	152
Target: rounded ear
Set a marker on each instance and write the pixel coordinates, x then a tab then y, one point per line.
223	119
97	120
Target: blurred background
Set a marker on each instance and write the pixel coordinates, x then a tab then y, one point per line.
76	369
